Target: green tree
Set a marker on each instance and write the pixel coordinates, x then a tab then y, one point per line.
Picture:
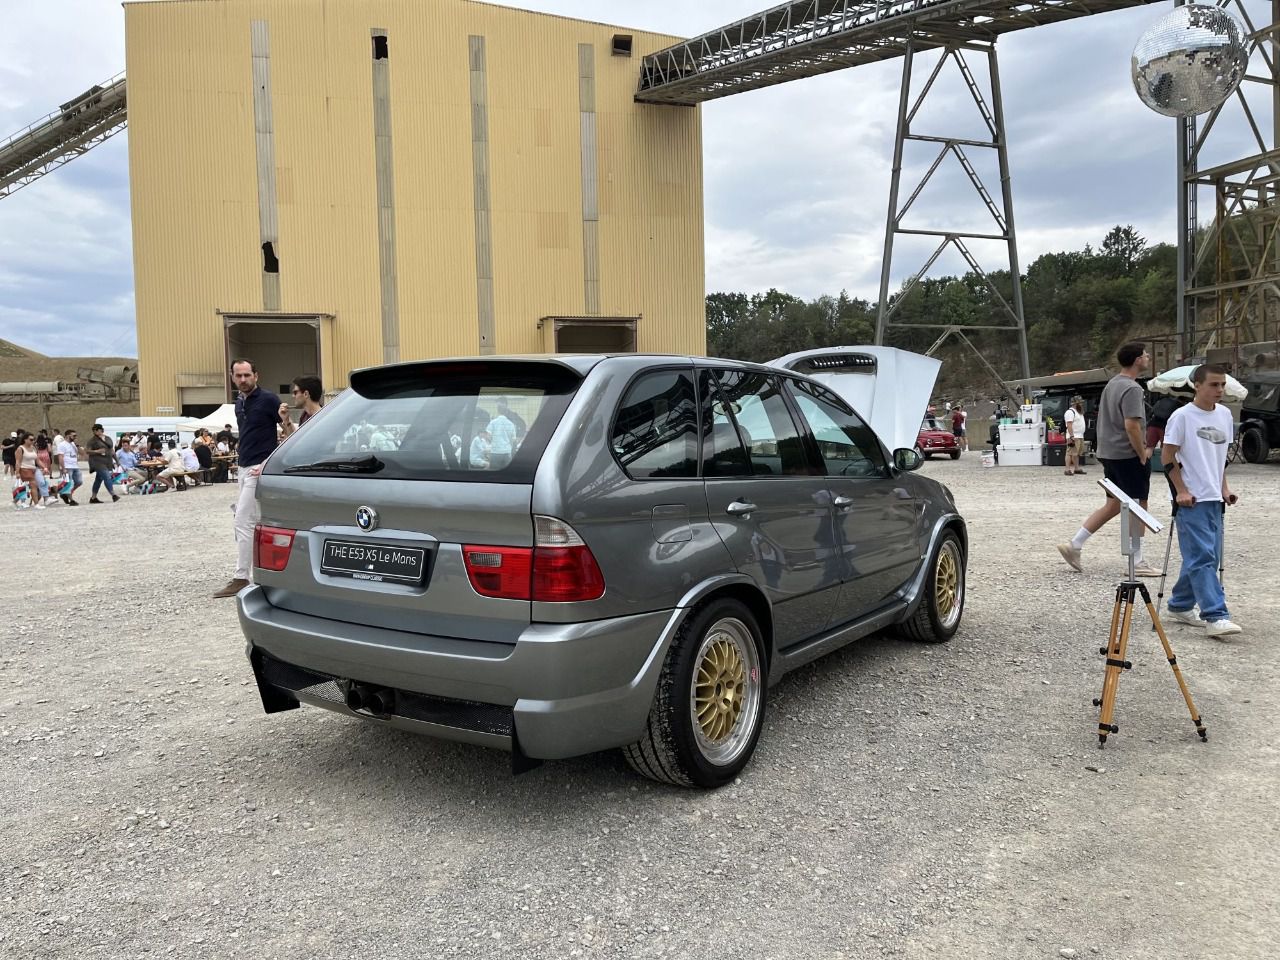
1124	245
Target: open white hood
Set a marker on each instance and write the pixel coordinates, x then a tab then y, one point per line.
888	387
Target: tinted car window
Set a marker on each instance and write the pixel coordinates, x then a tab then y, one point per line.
655	433
459	421
722	452
754	402
848	446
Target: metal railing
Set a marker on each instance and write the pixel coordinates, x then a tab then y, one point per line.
809	37
68	132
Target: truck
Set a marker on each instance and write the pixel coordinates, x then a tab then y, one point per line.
1260	415
177	429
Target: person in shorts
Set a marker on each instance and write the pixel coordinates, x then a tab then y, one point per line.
1122	451
958	417
1075	427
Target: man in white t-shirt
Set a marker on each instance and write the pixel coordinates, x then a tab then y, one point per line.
1195	458
502	441
69	459
174	468
1074	423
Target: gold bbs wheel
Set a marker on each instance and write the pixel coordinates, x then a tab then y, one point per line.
948	589
726	691
937	615
708	707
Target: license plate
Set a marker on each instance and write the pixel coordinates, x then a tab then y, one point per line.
373	561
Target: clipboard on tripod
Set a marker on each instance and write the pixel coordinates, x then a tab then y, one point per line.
1127	593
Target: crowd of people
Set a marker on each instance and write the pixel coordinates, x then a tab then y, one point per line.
48	471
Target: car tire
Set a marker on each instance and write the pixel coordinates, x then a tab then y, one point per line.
938	616
1254	446
955	454
708	710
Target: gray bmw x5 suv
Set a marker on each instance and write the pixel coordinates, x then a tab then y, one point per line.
558	555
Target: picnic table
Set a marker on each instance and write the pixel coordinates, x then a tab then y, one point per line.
154	468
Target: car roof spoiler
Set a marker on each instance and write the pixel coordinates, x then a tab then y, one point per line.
888	387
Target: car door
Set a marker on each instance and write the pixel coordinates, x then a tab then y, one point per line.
767	498
877	511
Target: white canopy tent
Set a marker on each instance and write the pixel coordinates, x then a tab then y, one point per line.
215	421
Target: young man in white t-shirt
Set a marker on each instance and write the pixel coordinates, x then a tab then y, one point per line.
1195	457
1075	425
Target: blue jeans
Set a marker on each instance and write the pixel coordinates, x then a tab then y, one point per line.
99	478
1200	540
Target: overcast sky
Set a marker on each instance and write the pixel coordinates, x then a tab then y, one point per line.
796	176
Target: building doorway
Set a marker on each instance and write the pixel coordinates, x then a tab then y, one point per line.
281	346
589	334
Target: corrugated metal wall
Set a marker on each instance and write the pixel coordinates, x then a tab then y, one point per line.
197	246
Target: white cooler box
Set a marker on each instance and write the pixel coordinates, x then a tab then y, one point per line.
1020	455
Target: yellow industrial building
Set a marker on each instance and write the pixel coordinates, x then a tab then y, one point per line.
323	186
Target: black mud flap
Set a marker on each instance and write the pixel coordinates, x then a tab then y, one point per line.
274	699
520	761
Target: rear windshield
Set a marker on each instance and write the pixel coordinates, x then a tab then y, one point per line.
481	421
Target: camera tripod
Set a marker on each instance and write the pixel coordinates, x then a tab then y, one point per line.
1127	592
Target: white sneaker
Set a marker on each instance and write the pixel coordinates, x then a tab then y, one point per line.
1146	570
1072	556
1188	617
40	505
1222	628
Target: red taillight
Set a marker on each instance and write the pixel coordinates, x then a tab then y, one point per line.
564	574
559	568
271	546
504	572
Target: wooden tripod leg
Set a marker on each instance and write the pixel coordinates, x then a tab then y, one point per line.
1117	642
1173	663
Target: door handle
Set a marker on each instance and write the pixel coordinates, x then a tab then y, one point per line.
842	503
740	508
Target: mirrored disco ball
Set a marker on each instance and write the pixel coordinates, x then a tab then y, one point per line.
1190	60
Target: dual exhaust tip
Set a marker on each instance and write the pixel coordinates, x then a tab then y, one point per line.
375	701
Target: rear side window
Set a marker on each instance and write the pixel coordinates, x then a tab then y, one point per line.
655	434
479	420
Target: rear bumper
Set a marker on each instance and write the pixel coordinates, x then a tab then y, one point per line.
561	690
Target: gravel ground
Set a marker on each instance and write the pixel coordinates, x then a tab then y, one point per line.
905	801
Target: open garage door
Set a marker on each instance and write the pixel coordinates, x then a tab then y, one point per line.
283	346
589	334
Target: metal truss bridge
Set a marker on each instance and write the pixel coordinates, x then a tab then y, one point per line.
73	129
809	37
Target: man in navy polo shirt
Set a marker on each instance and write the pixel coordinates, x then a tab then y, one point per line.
259	414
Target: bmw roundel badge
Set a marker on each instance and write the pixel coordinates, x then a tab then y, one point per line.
367	518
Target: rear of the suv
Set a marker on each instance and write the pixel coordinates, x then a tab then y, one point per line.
561	555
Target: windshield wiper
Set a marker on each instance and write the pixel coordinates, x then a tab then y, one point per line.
366	464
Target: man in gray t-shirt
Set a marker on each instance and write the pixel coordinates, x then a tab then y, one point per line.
1122	451
1122	401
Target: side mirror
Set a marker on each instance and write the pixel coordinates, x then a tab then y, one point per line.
906	459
